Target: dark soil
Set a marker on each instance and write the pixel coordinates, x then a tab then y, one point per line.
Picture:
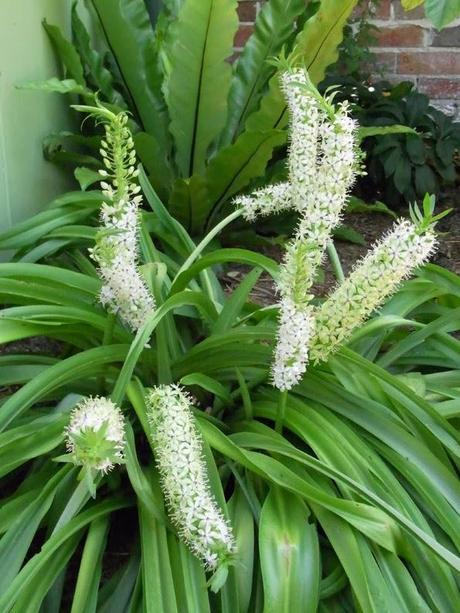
35	344
371	226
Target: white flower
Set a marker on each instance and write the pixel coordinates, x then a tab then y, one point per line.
306	119
266	201
322	165
95	434
295	329
123	291
116	251
179	456
376	277
335	174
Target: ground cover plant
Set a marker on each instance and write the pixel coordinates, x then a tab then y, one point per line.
180	453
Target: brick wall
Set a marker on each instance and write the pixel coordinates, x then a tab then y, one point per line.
409	49
412	50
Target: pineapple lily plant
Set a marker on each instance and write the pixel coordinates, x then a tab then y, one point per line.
185	450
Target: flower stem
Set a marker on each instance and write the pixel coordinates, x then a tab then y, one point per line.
106	340
281	412
108	331
207	239
335	262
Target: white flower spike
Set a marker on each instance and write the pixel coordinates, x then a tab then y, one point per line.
323	161
295	329
306	120
116	251
179	456
376	277
95	435
322	165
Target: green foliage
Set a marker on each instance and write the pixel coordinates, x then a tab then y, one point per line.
205	129
402	167
439	12
358	494
414	164
442	12
355	56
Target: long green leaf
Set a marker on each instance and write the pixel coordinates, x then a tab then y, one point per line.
40	560
59	86
66	53
236	165
16	542
200	42
89	574
274	24
98	74
289	555
315	48
85	364
442	12
371	521
224	256
129	33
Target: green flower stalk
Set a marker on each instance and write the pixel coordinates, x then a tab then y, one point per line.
179	456
116	251
377	276
95	435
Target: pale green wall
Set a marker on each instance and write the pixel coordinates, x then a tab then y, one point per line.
27	181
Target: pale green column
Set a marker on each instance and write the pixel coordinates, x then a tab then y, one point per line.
27	181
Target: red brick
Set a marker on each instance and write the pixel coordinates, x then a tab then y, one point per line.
232	59
386	60
401	36
244	32
400	13
439	88
247	10
383	11
449	37
428	63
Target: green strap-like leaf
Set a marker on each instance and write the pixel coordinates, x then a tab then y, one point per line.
127	27
100	77
89	574
39	562
66	53
274	24
315	48
289	554
200	42
222	256
85	364
65	86
236	165
366	131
